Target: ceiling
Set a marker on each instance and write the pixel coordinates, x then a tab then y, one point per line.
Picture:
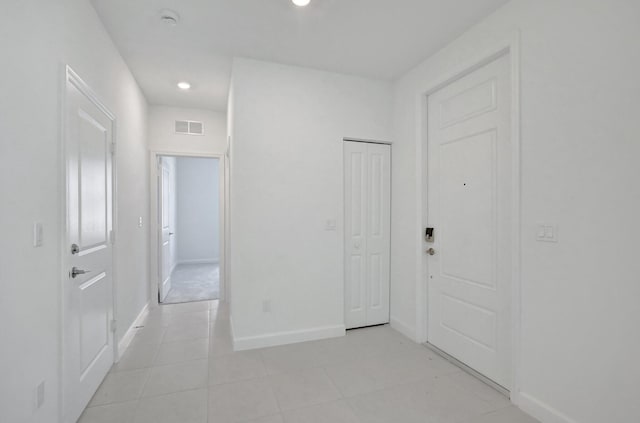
373	38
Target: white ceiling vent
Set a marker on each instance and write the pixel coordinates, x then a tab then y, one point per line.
188	127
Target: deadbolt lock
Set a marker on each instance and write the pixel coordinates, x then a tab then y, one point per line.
428	235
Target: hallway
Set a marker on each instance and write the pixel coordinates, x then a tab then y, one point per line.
181	368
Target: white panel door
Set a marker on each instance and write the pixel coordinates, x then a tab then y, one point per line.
469	205
165	265
88	350
367	233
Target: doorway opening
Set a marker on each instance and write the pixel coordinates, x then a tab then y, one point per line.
189	228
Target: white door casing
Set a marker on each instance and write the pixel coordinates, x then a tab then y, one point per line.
367	190
469	205
165	234
87	303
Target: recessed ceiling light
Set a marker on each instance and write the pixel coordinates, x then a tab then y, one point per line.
301	3
169	17
184	85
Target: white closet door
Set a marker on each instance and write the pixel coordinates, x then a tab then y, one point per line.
367	233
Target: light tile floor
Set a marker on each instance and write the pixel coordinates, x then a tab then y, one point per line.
180	368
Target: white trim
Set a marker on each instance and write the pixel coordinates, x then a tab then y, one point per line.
511	47
285	338
541	410
131	332
154	281
403	328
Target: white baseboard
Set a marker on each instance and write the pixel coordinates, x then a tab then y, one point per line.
284	338
199	261
403	328
131	332
540	410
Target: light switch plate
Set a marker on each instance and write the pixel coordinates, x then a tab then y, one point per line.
331	225
547	232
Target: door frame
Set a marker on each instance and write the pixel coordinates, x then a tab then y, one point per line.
71	77
154	221
507	47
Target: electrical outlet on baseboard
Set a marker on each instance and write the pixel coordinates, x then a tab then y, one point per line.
331	224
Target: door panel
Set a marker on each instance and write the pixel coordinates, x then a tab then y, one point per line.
469	203
378	232
94	327
367	229
467	248
88	350
165	267
355	230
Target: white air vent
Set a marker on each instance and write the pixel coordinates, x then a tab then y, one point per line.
188	127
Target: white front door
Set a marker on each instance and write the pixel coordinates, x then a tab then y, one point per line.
88	346
367	233
469	206
165	235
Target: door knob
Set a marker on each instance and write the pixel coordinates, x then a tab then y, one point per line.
431	251
75	272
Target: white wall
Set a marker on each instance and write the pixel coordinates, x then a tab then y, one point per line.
580	62
288	124
163	137
37	38
198	210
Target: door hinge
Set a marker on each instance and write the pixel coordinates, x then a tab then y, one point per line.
113	148
113	326
112	236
